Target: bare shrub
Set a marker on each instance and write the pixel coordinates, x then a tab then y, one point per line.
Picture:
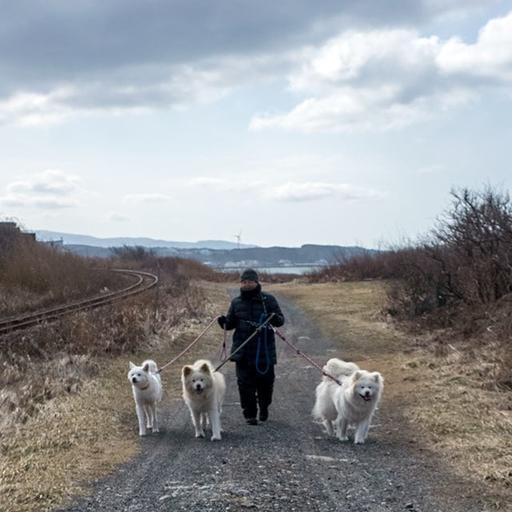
459	276
54	359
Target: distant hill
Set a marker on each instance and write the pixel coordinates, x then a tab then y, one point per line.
259	257
92	241
308	254
216	253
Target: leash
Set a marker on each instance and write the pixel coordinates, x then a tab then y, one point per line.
305	356
262	342
223	351
258	329
186	349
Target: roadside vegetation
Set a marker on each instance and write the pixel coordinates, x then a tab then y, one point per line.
35	275
443	308
456	281
66	410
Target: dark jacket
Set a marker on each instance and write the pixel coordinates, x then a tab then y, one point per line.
253	306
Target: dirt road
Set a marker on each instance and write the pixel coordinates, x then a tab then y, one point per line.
287	463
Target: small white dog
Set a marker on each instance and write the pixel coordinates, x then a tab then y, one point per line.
325	408
351	403
203	392
147	391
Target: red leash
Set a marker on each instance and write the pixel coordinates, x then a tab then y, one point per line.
187	348
305	356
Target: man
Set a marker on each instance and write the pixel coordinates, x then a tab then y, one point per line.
255	361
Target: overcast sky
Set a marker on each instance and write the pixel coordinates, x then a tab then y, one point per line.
336	122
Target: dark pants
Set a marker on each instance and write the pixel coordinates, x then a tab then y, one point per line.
255	389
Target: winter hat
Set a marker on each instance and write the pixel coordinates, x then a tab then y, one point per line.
249	275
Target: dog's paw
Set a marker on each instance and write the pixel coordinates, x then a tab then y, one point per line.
200	434
216	438
142	433
156	429
343	438
358	441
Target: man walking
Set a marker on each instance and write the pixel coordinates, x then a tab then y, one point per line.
255	361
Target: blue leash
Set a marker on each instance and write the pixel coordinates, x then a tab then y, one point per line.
263	335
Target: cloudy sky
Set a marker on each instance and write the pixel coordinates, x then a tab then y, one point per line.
293	122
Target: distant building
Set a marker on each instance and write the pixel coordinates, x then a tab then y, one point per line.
59	244
11	233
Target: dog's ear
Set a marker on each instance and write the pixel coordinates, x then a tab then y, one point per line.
145	368
356	376
132	366
377	377
187	370
205	368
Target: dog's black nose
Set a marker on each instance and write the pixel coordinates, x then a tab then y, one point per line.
134	380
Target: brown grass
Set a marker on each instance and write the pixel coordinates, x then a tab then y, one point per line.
33	276
446	394
74	438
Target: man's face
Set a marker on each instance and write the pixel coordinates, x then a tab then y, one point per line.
247	285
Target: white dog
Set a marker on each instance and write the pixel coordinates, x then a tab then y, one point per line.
203	392
147	391
325	408
351	403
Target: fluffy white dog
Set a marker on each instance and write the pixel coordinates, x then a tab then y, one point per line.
325	408
147	392
350	404
203	392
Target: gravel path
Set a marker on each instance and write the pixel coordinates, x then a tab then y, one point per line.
286	464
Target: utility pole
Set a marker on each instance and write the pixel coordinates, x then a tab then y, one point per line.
238	237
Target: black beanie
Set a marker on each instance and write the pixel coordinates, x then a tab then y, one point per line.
249	275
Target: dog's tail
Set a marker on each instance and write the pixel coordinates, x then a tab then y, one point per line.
152	367
317	415
339	368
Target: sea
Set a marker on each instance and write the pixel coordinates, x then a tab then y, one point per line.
302	269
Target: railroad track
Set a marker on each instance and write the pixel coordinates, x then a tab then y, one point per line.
144	281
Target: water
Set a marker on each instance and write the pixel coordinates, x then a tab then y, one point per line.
302	269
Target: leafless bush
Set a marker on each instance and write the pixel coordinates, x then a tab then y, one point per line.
463	265
368	265
52	359
466	260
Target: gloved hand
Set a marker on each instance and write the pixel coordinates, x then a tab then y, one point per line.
222	320
276	321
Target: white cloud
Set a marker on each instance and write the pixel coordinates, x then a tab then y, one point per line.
50	189
309	191
139	91
287	191
30	109
384	79
350	109
431	169
489	56
117	217
224	184
147	198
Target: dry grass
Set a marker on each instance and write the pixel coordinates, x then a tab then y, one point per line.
33	276
446	396
350	312
69	439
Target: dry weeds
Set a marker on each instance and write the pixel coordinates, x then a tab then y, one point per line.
447	395
52	446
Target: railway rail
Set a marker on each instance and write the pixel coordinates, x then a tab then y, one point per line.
144	281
